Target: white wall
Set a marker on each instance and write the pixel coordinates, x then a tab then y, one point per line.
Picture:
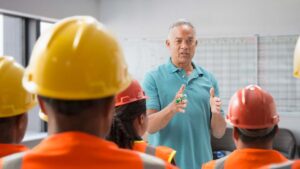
151	18
53	8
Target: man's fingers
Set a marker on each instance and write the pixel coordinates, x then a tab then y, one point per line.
217	99
181	90
218	103
181	110
184	101
181	106
179	95
212	92
180	100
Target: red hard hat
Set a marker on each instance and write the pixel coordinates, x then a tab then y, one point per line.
252	108
133	93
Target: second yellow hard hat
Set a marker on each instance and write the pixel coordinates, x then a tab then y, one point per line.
14	99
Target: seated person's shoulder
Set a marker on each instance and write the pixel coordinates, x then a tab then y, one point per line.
154	162
209	165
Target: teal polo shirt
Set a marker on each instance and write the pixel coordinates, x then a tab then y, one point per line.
188	133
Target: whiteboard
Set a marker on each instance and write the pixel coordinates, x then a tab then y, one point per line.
143	55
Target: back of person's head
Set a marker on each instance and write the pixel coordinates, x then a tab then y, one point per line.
15	101
130	108
76	68
252	112
297	59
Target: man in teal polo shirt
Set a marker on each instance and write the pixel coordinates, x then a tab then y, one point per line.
183	124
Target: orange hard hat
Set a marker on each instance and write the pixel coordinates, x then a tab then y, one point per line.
252	108
133	93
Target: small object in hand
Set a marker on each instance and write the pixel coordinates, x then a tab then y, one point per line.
180	99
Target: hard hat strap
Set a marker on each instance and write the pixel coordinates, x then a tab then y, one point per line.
256	133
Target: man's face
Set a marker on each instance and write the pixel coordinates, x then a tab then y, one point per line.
182	44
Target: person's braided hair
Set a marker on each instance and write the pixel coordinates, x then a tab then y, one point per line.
122	131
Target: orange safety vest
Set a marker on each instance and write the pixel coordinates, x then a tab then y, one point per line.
286	165
7	149
77	150
247	159
162	152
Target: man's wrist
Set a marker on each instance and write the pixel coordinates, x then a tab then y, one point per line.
170	109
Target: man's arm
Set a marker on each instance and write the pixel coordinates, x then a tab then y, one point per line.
218	124
159	119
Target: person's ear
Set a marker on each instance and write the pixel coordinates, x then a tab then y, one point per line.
168	43
109	108
22	121
141	120
235	134
21	125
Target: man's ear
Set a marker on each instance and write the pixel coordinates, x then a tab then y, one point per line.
235	134
168	43
109	108
21	125
21	119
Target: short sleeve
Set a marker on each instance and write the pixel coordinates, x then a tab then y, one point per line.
150	88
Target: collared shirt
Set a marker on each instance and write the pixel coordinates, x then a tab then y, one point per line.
188	133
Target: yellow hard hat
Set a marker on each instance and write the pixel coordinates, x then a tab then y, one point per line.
77	59
14	99
297	60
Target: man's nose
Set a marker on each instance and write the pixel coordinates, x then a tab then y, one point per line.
184	45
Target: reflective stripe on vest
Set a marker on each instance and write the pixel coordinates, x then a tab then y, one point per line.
165	153
286	165
150	150
220	163
151	162
13	161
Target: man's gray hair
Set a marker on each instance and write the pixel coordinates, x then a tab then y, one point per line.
179	23
182	22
